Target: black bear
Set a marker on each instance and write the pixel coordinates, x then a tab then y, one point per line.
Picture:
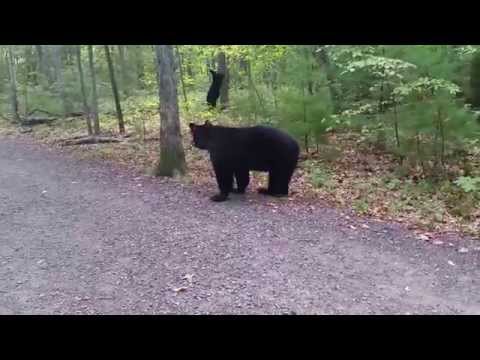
214	91
236	151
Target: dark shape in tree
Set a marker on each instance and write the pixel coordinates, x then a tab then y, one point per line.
113	81
214	91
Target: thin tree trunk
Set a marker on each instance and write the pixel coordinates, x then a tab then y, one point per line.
43	64
223	69
60	79
40	60
82	88
252	88
397	135
305	120
442	138
121	124
139	66
182	80
123	69
324	60
96	122
172	155
13	83
25	99
31	65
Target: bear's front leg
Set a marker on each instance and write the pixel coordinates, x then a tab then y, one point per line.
224	176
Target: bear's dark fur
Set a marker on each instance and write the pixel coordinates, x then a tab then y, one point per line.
236	151
214	91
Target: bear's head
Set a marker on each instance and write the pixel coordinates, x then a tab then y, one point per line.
201	134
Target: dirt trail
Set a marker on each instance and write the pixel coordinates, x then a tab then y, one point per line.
79	237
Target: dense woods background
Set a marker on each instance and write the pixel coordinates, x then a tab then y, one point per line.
391	131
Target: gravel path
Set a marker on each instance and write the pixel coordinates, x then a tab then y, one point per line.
80	237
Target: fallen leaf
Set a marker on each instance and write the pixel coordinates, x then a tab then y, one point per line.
437	242
423	237
451	263
463	250
180	289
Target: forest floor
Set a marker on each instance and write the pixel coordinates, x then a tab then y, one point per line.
346	173
88	236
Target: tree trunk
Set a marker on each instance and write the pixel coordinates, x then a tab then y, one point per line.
96	122
123	69
82	88
140	66
31	65
60	79
252	88
121	125
172	155
42	63
182	80
40	60
223	69
475	81
323	59
13	83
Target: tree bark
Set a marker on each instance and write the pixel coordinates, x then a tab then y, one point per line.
323	59
96	122
475	81
43	63
140	66
182	80
172	155
223	69
60	79
31	65
123	69
13	83
82	88
113	81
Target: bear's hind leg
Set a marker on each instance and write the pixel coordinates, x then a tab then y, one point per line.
243	178
277	184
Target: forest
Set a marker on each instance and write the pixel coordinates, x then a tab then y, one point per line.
390	131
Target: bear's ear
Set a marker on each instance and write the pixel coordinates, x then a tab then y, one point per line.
191	126
207	123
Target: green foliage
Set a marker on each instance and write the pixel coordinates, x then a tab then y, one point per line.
321	178
361	206
410	99
305	115
468	184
